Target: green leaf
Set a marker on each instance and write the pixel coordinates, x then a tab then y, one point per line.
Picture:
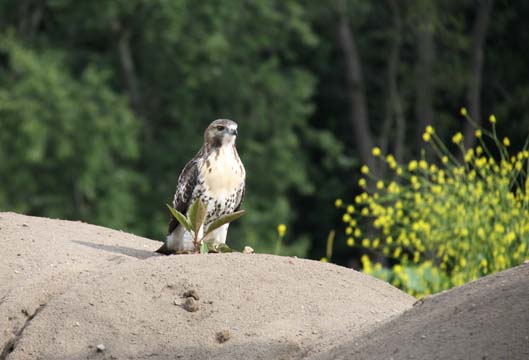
219	248
197	214
180	218
224	220
204	249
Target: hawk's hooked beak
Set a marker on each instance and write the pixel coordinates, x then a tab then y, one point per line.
234	132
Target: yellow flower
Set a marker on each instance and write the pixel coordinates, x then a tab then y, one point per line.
412	165
478	133
483	263
362	183
350	209
444	159
324	260
397	269
506	141
457	138
364	169
365	242
376	151
346	218
511	236
430	130
350	242
380	185
366	263
338	202
463	111
499	228
426	137
482	161
281	229
492	119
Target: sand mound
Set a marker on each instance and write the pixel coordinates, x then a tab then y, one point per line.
70	290
485	319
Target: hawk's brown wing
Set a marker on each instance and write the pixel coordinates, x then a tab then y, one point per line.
184	190
240	198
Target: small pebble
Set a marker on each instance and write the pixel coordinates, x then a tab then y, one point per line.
223	336
248	250
192	294
191	304
100	348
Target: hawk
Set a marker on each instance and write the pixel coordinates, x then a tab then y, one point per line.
216	176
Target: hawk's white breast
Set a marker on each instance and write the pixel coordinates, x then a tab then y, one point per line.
223	173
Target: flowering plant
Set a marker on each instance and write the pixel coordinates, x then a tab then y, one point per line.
443	223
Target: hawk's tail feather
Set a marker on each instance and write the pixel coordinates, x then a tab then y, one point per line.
164	250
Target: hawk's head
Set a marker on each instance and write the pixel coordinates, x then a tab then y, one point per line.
221	132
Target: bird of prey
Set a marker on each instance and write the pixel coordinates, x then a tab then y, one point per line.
216	176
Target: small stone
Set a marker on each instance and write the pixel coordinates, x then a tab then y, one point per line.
192	294
223	336
423	336
248	250
100	348
191	304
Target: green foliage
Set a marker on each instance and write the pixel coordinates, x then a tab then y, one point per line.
194	223
197	214
224	220
67	144
446	223
181	218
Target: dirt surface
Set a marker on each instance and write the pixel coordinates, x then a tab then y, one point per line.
485	319
70	290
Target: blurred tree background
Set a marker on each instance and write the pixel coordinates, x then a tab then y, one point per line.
102	102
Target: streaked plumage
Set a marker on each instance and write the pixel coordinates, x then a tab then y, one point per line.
216	175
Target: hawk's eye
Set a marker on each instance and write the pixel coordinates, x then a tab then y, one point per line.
220	128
